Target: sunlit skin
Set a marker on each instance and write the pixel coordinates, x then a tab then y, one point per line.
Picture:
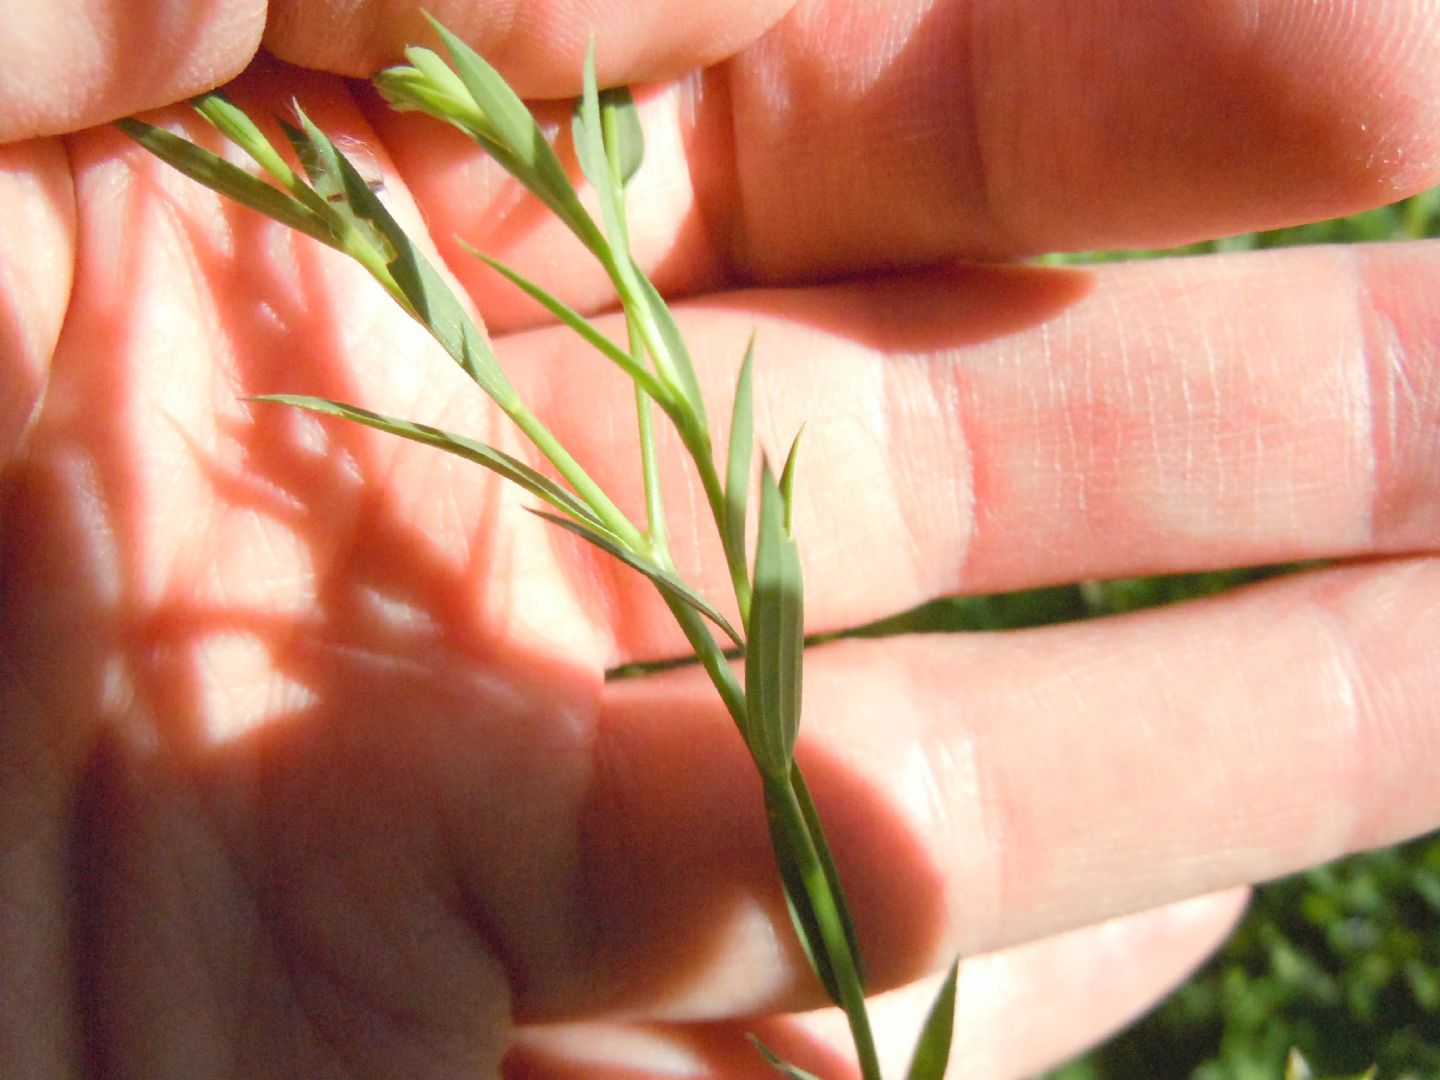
308	763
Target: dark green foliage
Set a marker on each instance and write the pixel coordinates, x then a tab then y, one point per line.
1411	219
1342	962
1056	604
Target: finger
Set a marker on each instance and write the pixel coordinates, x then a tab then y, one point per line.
37	251
1019	1010
1022	1010
847	141
982	791
1150	126
993	429
74	63
538	45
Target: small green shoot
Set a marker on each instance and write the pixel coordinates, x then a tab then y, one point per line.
737	479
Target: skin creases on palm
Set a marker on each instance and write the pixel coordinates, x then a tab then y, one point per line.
325	687
278	664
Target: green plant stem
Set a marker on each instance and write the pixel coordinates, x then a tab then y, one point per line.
337	207
578	479
783	802
734	557
649	464
712	658
804	846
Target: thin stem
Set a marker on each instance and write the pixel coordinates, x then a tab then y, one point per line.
575	475
712	658
649	463
734	557
528	423
622	274
804	850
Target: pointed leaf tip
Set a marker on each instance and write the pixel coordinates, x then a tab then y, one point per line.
775	653
779	1064
737	463
787	481
932	1050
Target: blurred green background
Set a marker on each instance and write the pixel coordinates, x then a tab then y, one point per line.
1341	963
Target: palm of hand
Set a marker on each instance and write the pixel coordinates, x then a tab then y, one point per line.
320	766
333	709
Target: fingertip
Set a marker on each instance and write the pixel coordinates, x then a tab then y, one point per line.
538	46
1219	120
78	63
1028	1008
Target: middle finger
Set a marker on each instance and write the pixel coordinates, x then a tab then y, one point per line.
993	429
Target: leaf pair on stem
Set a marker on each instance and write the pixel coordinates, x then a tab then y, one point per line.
329	200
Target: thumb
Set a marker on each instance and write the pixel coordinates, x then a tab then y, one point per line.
68	64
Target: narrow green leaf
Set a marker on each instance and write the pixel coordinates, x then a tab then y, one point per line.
227	179
827	864
427	84
788	840
775	651
358	237
429	298
588	129
527	154
444	87
678	355
787	481
932	1050
777	1062
232	122
737	465
498	461
666	582
642	301
578	323
430	86
513	124
817	903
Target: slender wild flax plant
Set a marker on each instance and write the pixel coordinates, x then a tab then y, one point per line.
328	199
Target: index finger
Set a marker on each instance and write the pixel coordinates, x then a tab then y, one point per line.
69	64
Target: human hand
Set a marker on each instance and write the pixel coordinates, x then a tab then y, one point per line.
309	764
